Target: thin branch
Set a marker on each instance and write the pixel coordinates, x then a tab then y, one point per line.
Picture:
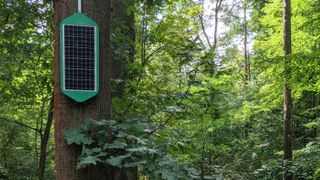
154	82
305	116
19	124
202	24
151	54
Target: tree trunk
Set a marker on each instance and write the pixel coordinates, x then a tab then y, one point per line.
315	114
245	43
44	142
122	55
68	113
287	136
122	43
246	59
201	16
216	22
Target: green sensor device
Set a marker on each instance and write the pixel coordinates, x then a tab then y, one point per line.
79	57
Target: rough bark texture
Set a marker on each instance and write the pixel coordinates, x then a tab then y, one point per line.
287	136
68	113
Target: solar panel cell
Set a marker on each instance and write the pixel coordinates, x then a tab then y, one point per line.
79	57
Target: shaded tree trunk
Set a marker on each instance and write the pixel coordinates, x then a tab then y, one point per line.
44	142
245	43
122	55
246	59
315	114
122	43
288	132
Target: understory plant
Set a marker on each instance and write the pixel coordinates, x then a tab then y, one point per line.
126	144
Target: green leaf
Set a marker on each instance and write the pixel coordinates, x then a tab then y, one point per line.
166	174
134	164
73	135
87	140
115	145
142	150
104	122
76	136
85	125
116	160
96	150
86	161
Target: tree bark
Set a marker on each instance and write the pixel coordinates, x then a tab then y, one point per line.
68	113
287	136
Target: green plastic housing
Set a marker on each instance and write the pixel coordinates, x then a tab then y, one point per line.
81	20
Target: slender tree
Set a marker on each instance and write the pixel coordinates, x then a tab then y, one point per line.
218	5
287	108
44	142
245	43
217	9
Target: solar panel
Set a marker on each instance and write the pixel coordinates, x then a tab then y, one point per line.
79	57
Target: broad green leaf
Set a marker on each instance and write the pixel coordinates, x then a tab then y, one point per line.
134	164
115	145
116	160
86	161
76	136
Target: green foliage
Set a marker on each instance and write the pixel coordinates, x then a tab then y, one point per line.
125	145
307	161
26	85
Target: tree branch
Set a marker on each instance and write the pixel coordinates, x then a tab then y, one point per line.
305	116
202	24
15	122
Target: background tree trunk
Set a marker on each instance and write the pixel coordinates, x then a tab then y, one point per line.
216	22
44	142
122	53
245	43
122	43
287	136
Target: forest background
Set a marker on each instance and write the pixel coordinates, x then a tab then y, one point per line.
197	85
